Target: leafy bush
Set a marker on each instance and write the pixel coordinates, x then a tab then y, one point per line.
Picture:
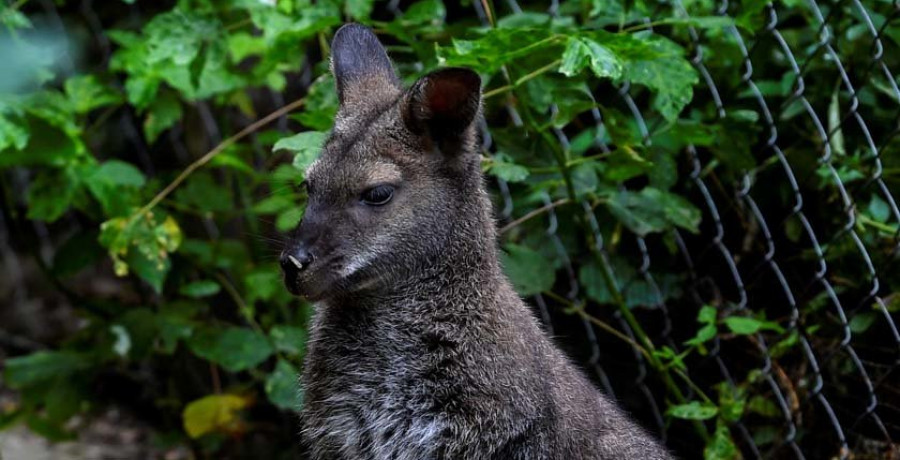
155	154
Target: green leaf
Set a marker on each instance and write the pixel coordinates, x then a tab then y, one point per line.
763	406
744	325
214	414
115	184
13	132
879	209
704	334
676	209
732	401
162	114
584	179
657	63
118	173
274	204
321	104
591	278
694	410
28	370
87	93
861	322
142	242
359	9
625	163
289	339
653	210
641	214
234	348
172	328
51	194
581	53
529	272
283	386
498	47
177	36
423	12
707	315
199	289
305	147
720	446
263	284
507	170
289	219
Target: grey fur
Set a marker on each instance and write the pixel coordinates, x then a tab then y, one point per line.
419	347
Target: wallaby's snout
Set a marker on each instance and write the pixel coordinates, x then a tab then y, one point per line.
294	260
305	254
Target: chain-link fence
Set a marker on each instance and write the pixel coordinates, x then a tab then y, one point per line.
765	245
807	243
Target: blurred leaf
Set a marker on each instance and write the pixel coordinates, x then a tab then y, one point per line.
423	12
87	93
51	194
289	339
305	147
178	35
27	370
214	414
694	410
263	284
527	269
142	242
199	289
321	104
861	322
172	328
744	325
13	132
162	114
233	348
640	213
359	9
591	277
879	209
507	170
283	386
115	184
721	446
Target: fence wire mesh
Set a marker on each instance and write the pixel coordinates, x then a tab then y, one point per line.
785	238
836	397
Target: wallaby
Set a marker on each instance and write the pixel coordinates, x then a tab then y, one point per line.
419	347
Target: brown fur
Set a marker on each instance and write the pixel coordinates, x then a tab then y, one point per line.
420	348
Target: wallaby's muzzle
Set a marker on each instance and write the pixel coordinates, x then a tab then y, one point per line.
297	258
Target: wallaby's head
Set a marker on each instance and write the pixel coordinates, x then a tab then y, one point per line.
398	183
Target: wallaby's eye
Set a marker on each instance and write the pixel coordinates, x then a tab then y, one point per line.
378	196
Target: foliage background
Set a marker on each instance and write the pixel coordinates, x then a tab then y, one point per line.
696	196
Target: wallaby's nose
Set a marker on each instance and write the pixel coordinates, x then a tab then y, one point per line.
295	261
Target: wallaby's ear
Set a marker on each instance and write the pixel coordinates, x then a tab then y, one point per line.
361	67
443	103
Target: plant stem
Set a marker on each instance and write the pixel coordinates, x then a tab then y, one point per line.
533	214
255	126
534	74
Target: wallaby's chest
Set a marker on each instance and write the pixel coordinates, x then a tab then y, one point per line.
366	398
